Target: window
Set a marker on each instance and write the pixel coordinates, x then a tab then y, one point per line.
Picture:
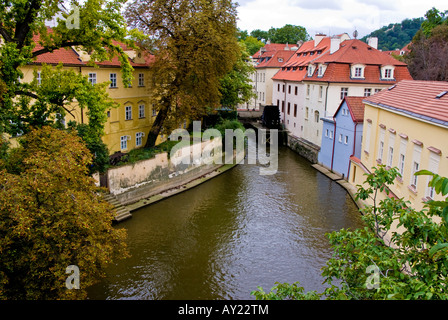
308	90
367	140
141	79
289	89
39	78
331	134
320	72
154	111
377	90
388	73
414	178
321	92
283	106
415	165
401	164
295	110
113	80
316	116
128	113
358	72
289	108
380	151
306	113
310	71
344	93
296	90
92	78
391	157
141	111
433	166
340	138
124	142
346	140
138	139
327	133
278	87
367	92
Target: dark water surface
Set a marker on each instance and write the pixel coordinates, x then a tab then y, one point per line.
231	234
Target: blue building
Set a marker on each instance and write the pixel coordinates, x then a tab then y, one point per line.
342	136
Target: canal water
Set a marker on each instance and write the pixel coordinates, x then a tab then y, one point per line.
231	234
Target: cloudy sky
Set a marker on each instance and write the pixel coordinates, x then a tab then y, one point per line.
331	16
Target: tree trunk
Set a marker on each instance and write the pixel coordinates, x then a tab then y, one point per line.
157	126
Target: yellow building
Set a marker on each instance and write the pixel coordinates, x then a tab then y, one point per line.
406	126
128	124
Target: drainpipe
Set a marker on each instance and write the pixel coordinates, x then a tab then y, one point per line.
82	109
354	146
284	111
334	140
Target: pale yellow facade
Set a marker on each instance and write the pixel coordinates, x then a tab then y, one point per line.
406	142
127	126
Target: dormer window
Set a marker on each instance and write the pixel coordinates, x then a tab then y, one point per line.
358	71
310	70
321	70
387	72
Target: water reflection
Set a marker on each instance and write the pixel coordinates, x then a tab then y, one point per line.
227	236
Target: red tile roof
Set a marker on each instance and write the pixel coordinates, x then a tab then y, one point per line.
356	107
68	56
357	51
295	68
268	50
277	60
416	98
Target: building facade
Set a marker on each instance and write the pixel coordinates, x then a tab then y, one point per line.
126	125
406	126
342	136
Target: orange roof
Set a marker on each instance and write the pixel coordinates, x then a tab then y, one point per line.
357	51
276	60
295	68
427	100
355	106
268	50
68	56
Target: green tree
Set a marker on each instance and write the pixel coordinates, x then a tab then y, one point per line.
235	86
196	47
100	27
288	34
427	59
376	262
52	216
252	44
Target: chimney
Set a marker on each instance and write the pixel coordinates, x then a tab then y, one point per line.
373	42
268	42
335	44
318	38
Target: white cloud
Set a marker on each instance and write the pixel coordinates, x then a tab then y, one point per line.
331	16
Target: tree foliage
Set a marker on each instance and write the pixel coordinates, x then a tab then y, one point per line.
52	216
428	57
27	105
196	46
235	86
286	34
396	35
378	262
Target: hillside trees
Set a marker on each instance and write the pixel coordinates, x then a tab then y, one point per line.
196	46
53	216
428	57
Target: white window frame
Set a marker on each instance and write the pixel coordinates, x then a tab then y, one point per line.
113	80
367	92
141	111
124	142
92	78
128	113
141	79
39	78
139	139
344	93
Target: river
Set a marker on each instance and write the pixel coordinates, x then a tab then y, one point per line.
231	234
